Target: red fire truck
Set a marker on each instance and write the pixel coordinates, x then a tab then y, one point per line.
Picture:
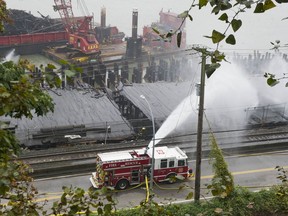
124	168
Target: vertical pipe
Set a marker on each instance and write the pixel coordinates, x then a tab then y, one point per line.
134	23
103	17
106	132
63	79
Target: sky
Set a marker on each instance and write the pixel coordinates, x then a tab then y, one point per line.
256	33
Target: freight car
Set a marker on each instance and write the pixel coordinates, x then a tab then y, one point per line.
36	38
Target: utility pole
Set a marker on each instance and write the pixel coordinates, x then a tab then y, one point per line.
199	131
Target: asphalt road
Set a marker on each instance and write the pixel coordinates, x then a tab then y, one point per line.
255	171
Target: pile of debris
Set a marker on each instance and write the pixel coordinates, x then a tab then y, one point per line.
26	23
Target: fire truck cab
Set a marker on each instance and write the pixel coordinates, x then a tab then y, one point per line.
121	169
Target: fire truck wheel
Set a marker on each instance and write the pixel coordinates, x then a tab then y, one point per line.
122	184
171	178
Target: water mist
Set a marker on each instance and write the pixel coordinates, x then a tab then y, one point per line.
11	56
227	93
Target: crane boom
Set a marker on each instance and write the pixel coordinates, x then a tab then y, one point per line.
80	31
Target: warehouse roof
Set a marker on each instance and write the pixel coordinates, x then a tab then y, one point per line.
91	114
86	109
163	97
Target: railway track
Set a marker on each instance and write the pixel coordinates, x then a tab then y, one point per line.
81	159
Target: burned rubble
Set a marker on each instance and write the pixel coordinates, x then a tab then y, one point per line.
26	23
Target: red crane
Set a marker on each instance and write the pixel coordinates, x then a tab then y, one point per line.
80	31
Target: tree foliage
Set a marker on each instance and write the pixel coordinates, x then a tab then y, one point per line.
283	177
4	16
17	190
21	95
222	183
75	200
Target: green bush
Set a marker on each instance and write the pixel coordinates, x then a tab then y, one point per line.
241	202
222	183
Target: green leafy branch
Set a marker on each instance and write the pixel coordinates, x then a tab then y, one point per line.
75	200
17	189
20	95
236	24
283	177
222	184
215	58
4	16
167	36
272	80
217	7
217	37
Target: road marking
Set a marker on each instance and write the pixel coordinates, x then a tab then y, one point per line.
246	172
54	197
204	159
48	198
202	177
60	177
282	152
